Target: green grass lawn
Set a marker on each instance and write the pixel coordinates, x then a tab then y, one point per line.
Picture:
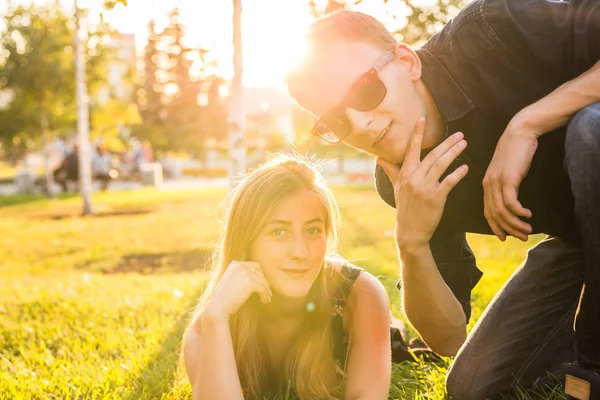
95	307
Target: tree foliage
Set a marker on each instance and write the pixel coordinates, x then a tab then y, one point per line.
180	99
37	76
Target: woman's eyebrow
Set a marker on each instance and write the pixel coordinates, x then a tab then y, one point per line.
285	222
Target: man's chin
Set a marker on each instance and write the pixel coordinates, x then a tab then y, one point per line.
390	158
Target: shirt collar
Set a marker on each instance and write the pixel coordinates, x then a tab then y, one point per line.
450	99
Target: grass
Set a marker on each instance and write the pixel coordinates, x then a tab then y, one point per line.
95	307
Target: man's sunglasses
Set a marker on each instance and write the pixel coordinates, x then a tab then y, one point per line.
364	95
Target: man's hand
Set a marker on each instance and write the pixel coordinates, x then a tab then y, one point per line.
420	196
506	171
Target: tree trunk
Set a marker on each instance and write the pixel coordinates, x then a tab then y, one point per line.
85	165
237	117
49	178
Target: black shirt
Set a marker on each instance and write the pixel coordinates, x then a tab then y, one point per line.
491	61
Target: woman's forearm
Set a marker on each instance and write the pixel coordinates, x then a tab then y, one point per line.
210	360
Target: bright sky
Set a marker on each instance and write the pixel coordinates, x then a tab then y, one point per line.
271	29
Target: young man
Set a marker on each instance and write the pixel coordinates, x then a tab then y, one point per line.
519	81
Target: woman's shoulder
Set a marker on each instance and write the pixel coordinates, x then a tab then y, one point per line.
343	268
355	281
361	285
359	293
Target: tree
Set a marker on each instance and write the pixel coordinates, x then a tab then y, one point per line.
110	4
108	120
34	73
183	111
180	109
236	121
424	21
421	23
331	6
214	121
150	101
37	71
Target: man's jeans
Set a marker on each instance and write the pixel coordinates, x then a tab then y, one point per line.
582	163
527	330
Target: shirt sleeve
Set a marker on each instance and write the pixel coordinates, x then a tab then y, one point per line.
558	37
453	256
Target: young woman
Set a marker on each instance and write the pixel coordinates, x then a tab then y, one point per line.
280	317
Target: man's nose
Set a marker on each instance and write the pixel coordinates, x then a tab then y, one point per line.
359	120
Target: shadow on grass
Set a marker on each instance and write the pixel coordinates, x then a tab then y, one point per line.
151	263
22	199
101	214
158	375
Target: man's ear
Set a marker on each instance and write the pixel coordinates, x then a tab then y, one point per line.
409	58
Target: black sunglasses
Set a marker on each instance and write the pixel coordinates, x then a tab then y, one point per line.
364	95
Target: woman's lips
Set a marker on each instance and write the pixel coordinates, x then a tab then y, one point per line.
296	272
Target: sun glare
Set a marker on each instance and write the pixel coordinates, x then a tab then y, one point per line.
272	29
271	32
273	45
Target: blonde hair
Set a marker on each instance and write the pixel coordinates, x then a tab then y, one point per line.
337	27
309	366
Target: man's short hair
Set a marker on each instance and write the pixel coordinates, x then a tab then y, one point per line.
337	27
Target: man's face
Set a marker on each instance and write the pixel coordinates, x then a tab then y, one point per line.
385	130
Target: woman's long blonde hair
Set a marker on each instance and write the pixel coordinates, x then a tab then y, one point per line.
309	365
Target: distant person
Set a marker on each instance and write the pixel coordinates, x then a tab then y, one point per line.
102	166
68	170
147	152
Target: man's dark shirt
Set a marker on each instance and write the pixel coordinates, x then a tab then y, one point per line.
491	61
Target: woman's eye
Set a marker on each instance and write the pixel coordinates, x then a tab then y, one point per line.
314	231
277	232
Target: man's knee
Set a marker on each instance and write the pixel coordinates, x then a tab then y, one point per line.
582	150
464	382
583	132
456	386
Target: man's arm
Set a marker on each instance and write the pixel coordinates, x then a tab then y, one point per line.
437	281
419	198
428	302
517	146
561	39
556	109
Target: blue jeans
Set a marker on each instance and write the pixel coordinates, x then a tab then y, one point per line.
527	331
582	163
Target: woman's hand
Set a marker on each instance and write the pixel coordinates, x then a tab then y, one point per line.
420	196
240	280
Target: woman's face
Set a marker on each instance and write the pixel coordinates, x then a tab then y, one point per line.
292	245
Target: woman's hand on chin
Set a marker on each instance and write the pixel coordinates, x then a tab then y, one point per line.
240	280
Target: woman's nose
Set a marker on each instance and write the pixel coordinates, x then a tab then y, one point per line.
299	250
